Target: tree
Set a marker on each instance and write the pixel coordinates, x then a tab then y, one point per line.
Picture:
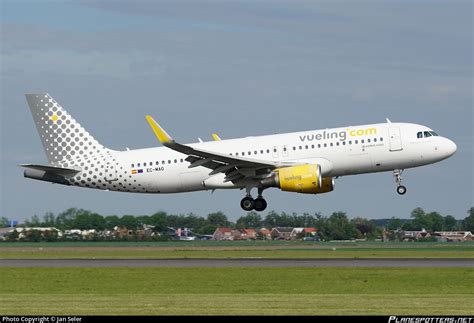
65	219
87	221
419	219
49	219
340	228
111	221
34	222
321	223
364	226
4	222
218	219
143	220
160	221
129	222
251	220
468	222
394	224
271	219
450	223
435	221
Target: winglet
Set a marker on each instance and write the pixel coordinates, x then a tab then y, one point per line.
160	133
216	137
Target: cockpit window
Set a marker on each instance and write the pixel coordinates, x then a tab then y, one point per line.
419	135
427	134
434	133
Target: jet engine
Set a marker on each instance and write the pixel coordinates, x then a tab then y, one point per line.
300	179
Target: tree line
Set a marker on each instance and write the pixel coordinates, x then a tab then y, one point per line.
337	226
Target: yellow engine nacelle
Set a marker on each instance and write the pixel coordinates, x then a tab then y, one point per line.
301	179
327	185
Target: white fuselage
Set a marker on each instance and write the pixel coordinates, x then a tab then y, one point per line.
340	151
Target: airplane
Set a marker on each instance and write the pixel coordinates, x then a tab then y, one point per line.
303	162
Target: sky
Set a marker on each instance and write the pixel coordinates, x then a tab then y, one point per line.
238	68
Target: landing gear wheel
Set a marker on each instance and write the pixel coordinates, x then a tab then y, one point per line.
247	203
397	173
260	204
401	189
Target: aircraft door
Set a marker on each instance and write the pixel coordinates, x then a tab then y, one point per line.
395	139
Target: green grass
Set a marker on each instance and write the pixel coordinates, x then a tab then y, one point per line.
159	254
212	249
323	291
257	243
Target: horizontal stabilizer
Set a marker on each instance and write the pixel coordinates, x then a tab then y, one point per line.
52	169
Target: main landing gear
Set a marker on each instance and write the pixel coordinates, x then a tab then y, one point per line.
397	173
248	203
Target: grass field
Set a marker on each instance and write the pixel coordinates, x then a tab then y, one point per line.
214	249
271	291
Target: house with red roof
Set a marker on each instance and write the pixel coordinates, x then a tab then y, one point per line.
223	233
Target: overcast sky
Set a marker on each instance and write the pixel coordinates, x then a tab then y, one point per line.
239	68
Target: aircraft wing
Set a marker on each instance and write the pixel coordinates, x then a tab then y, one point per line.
235	168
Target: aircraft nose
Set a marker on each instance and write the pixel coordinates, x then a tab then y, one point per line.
450	147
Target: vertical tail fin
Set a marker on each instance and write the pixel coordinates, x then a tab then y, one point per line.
63	137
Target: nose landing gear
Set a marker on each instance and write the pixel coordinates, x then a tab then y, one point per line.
397	173
248	203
